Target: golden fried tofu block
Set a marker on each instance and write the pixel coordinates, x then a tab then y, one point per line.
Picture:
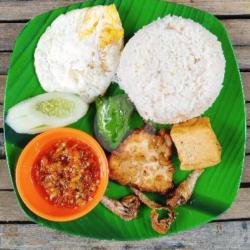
196	144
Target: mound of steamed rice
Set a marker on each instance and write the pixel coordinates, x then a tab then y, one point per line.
172	70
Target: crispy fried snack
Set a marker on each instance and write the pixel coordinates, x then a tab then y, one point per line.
159	225
196	144
162	225
127	208
143	161
180	196
184	191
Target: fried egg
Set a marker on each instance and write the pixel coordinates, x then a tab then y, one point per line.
79	52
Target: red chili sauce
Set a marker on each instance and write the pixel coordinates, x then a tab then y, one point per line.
67	173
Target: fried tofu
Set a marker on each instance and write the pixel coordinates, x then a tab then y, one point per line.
143	161
196	143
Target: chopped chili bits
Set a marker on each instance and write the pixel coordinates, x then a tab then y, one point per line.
67	173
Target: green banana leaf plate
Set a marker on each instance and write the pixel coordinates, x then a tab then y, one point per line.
216	188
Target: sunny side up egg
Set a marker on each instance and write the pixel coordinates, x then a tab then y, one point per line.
80	51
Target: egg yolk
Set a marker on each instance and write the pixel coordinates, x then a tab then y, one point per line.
111	30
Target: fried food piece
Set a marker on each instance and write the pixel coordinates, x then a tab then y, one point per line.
127	209
196	144
184	191
180	196
159	225
144	199
143	161
162	225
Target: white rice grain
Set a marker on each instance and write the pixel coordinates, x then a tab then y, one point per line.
172	70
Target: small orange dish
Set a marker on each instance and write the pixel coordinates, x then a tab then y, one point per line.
62	174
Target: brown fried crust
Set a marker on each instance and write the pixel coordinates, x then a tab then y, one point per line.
183	192
159	225
143	161
162	225
127	208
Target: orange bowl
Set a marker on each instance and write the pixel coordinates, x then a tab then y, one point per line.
30	193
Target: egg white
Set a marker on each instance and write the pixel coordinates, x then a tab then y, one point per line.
65	62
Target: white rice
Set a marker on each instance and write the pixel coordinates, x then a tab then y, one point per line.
172	70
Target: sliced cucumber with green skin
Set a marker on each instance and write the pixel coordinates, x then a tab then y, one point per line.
46	111
111	121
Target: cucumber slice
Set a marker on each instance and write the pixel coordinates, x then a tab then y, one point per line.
46	111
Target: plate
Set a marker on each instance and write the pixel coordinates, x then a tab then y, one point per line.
217	187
